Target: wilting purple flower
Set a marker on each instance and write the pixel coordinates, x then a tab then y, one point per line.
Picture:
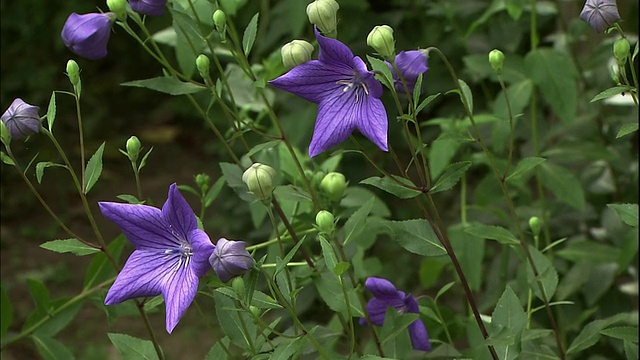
87	35
385	295
21	119
411	64
148	7
230	259
347	94
170	253
600	14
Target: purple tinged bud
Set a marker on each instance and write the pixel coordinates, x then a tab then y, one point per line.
88	35
230	259
148	7
411	64
600	14
21	119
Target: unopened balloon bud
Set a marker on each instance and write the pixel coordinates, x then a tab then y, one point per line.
496	59
295	53
325	222
323	14
259	179
382	41
334	184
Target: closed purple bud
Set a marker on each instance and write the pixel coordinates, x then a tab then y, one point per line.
148	7
411	64
230	259
600	14
87	35
21	119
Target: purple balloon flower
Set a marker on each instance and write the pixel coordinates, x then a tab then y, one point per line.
21	119
230	259
148	7
385	295
600	14
170	254
411	64
87	35
347	94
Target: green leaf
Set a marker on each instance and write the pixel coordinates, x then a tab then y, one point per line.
426	102
470	252
356	222
43	165
493	232
631	349
554	74
610	92
628	213
51	111
263	146
328	253
627	129
51	349
417	89
628	333
73	246
6	314
467	99
132	348
382	71
40	295
6	159
590	333
450	177
289	256
392	187
515	8
416	236
288	348
524	166
508	321
216	352
233	176
547	278
589	251
229	320
213	193
167	85
100	269
94	169
259	299
61	319
249	36
563	184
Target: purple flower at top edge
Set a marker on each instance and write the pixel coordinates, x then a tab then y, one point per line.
170	254
347	94
230	259
385	295
600	14
21	119
88	35
411	64
148	7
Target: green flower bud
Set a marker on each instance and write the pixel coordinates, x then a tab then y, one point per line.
254	310
334	184
325	222
295	53
496	59
133	148
202	63
73	72
323	14
119	7
259	180
621	50
535	224
5	135
220	21
238	287
203	181
381	40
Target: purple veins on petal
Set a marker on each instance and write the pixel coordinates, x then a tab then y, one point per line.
600	14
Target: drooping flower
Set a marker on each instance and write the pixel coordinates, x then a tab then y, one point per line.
170	254
600	14
230	259
21	119
385	295
88	35
347	94
148	7
411	64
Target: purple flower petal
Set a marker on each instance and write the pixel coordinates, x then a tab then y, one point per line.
141	276
21	119
142	225
311	81
419	336
230	259
178	214
180	289
88	35
377	309
600	14
148	7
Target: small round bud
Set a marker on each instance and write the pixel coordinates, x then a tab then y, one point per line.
259	180
325	222
323	14
133	148
496	59
334	184
73	72
220	21
621	50
381	40
202	63
295	53
119	7
203	181
238	287
535	224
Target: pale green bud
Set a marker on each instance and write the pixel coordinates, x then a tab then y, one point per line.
259	180
323	14
496	59
238	287
295	53
73	72
202	64
254	310
325	222
621	50
220	21
334	184
535	224
381	40
119	7
203	181
133	148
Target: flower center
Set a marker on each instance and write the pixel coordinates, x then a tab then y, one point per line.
356	84
183	251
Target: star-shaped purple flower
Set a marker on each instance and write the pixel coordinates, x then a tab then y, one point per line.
600	14
347	94
170	254
385	295
411	64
